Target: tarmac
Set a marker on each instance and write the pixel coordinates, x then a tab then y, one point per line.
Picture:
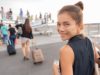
15	65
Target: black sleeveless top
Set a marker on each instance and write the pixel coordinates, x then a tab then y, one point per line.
84	55
26	34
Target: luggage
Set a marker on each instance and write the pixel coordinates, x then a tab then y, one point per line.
10	49
37	55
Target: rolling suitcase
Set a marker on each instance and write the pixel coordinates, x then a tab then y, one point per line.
37	55
10	49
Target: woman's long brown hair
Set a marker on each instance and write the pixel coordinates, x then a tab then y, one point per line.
27	26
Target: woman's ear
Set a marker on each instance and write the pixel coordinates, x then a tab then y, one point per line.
81	26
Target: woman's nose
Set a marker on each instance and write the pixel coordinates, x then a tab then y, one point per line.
61	28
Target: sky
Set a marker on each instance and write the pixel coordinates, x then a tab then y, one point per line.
91	12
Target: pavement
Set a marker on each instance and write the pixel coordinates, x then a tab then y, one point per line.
38	40
15	65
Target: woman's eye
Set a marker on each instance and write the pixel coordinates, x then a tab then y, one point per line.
58	24
66	24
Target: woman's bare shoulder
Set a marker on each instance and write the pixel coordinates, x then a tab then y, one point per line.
66	48
66	51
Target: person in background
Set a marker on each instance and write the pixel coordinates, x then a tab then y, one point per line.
19	30
1	24
10	14
12	35
77	56
25	38
4	32
2	12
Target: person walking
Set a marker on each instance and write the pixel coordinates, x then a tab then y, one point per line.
25	40
4	32
12	35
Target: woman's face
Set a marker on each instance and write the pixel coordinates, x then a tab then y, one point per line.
67	26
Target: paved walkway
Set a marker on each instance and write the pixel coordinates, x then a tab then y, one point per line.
14	65
38	40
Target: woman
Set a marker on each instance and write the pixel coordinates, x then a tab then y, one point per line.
77	56
26	36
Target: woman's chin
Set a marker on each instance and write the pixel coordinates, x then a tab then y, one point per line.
64	39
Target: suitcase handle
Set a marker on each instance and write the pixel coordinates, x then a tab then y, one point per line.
34	44
9	42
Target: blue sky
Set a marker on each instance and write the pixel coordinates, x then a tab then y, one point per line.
91	7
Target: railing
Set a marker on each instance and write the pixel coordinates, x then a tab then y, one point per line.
92	28
93	31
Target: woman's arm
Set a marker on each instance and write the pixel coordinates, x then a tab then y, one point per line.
67	60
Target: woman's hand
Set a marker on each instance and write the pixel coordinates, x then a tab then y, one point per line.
56	69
